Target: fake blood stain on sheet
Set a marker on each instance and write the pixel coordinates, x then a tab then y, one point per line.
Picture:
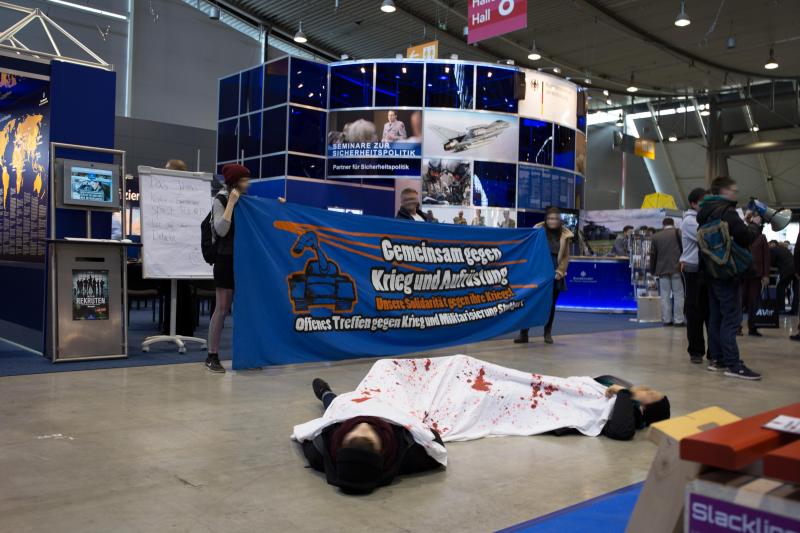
360	400
480	383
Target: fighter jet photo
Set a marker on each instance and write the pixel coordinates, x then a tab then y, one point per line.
473	137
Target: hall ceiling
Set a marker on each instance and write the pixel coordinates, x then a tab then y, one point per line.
608	39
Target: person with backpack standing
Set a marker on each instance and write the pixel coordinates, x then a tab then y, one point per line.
237	181
724	240
665	263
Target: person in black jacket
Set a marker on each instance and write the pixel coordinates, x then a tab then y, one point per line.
782	260
409	206
725	301
364	453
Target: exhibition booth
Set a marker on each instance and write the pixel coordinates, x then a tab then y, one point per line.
484	144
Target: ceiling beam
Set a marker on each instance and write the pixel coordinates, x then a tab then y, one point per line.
762	160
668	156
760	147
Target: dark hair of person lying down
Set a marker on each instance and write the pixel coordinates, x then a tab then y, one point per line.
656	412
359	466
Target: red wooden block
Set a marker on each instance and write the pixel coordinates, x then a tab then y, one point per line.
736	445
784	463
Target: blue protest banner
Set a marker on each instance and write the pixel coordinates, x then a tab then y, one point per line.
316	285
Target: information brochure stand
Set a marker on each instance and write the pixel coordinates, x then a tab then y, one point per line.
173	205
87	278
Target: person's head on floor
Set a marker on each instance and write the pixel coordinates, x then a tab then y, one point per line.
695	197
236	177
654	403
552	219
176	164
359	457
725	187
409	199
668	222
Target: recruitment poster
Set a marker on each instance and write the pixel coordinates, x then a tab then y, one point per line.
321	285
90	295
24	155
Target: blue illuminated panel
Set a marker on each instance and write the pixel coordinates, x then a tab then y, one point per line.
309	85
252	88
306	167
228	97
227	140
494	184
449	85
535	141
351	85
306	130
275	85
564	153
398	84
250	135
494	90
598	285
274	130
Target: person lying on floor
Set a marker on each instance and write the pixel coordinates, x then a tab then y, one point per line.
404	410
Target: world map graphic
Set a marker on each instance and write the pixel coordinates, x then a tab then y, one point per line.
23	166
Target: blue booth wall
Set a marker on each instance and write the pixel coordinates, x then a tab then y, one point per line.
81	111
277	119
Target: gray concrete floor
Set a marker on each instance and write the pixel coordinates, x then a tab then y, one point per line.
175	448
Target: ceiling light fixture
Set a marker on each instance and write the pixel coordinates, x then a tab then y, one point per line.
682	20
619	123
704	111
755	128
80	7
632	88
673	138
534	54
388	6
608	101
605	92
771	63
587	78
300	37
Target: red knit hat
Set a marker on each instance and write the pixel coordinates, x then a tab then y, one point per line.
233	173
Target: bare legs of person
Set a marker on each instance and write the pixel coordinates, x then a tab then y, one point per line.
221	310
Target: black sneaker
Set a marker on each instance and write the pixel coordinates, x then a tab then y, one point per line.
680	324
795	337
521	339
667	324
213	364
742	372
754	333
320	387
696	360
715	366
548	337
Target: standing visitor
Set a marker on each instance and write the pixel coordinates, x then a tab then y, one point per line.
559	239
622	243
695	303
782	260
725	301
237	181
409	206
756	281
665	263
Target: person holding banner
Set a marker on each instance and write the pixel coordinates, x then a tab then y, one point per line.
559	239
237	181
399	417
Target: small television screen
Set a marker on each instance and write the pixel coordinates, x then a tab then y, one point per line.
90	184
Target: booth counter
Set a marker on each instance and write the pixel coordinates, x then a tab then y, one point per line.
598	284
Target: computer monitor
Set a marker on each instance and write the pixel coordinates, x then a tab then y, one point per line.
89	184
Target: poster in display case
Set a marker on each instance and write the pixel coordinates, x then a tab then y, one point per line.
90	295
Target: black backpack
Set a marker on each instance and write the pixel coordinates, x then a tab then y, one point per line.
208	240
